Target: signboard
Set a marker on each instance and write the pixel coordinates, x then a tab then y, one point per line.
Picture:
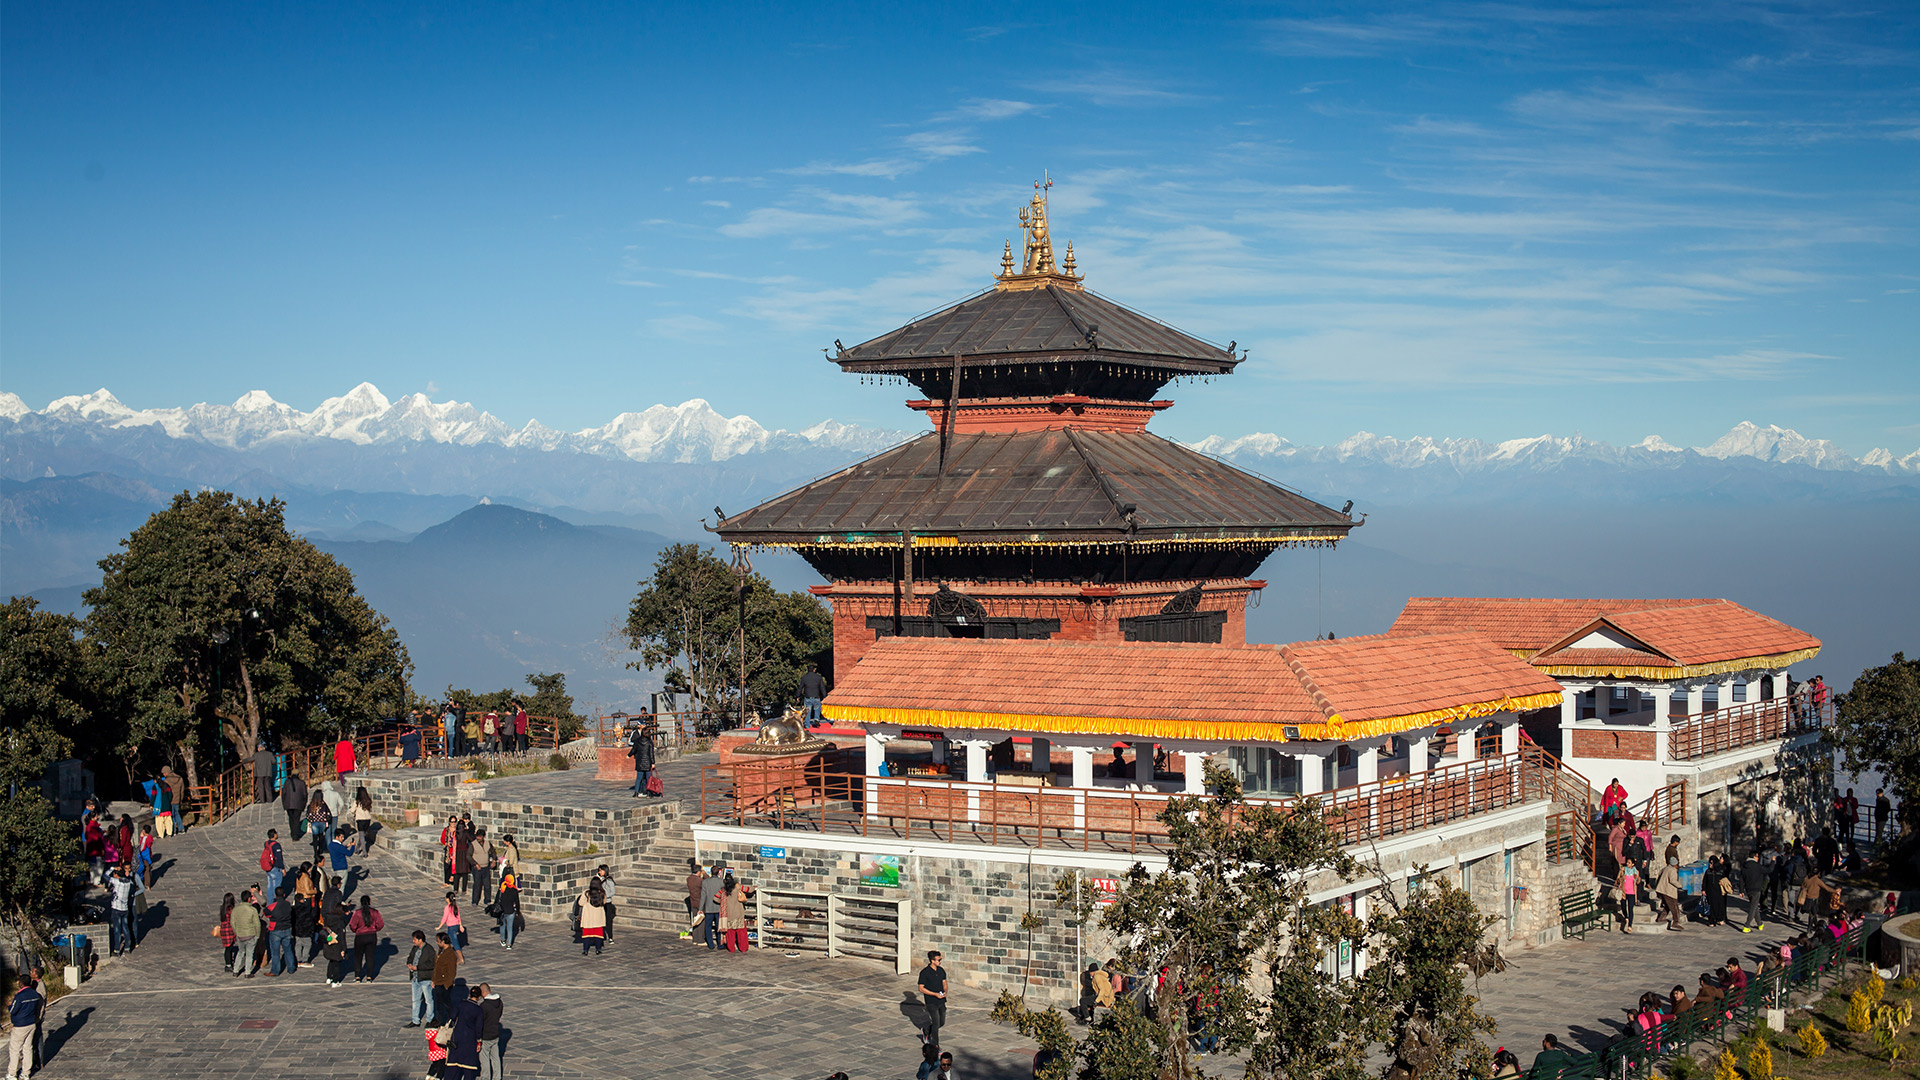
881	870
924	736
772	852
1105	889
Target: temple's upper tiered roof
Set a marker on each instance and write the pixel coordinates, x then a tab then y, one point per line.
1048	323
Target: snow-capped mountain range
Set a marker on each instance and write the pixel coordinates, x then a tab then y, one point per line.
689	432
694	432
1771	444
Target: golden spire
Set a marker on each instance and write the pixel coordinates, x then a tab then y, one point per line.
1039	270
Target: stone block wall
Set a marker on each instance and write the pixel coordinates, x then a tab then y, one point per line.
968	908
618	837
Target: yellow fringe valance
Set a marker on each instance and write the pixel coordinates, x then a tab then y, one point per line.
956	542
1687	671
1335	729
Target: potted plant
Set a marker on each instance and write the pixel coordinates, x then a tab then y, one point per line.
411	814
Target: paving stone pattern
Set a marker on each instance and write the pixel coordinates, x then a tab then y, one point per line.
1583	991
652	1006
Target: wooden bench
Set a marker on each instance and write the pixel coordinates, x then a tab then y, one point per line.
1578	913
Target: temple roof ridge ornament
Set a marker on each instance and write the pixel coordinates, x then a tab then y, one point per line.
1038	271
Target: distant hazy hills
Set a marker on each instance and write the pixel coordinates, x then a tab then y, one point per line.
536	579
498	591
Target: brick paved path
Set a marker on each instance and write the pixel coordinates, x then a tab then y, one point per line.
653	1006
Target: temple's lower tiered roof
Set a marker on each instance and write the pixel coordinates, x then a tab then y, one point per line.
1057	486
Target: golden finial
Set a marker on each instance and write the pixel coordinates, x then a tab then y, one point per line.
1038	270
1068	265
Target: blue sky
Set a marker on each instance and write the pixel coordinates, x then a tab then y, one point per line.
1487	220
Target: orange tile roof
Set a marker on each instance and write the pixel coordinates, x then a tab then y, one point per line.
1711	632
1691	637
1369	678
1519	623
1355	688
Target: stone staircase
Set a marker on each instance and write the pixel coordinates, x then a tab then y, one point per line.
652	890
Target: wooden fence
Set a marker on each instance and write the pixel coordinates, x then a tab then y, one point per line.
235	788
825	793
1750	724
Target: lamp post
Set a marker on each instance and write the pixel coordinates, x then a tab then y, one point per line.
220	639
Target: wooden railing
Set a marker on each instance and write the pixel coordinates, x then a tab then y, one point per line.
1665	808
1749	724
234	788
1569	830
825	793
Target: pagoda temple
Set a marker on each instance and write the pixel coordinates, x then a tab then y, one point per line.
1038	506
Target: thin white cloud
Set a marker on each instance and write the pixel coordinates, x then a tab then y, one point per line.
988	109
1114	87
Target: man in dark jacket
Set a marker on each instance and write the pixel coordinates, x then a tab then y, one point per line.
262	773
813	687
1753	879
490	1007
1827	851
642	753
293	799
420	960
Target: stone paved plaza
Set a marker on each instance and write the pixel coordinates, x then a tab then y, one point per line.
653	1005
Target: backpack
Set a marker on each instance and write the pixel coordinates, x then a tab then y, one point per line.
266	857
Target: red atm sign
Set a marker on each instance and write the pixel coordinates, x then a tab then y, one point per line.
1105	889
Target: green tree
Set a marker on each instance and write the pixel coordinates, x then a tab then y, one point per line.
47	689
549	698
215	620
1877	726
46	698
1234	946
1416	982
687	619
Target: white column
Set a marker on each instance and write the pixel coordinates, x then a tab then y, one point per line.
1726	693
1366	765
876	754
1662	720
1510	736
1569	713
1416	756
1753	688
977	750
1602	702
1196	769
1082	779
1463	743
1696	699
1082	765
1312	772
1142	762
